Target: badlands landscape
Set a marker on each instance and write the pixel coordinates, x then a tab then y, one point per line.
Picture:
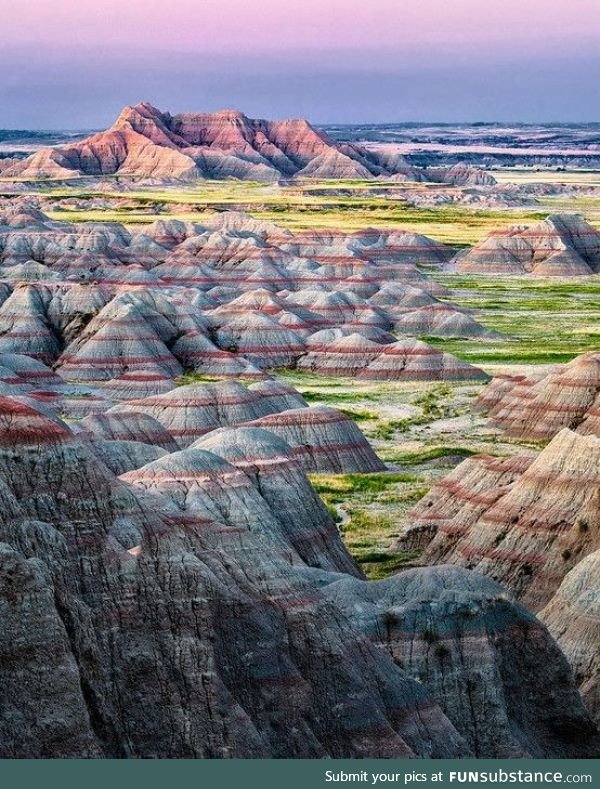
299	440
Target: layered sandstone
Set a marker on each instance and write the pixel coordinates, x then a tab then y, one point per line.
170	613
147	143
539	405
524	521
562	245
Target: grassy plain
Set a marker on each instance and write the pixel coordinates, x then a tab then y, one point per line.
542	321
421	431
346	205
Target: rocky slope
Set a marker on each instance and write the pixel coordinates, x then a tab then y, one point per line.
573	618
322	439
230	297
410	359
453	629
539	405
563	245
524	521
175	612
145	143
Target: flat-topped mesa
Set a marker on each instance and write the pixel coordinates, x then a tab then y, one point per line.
563	245
523	521
538	406
146	143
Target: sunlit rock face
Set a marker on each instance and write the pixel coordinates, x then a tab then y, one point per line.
147	143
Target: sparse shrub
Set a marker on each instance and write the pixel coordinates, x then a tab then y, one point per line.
384	431
358	415
432	453
332	510
429	635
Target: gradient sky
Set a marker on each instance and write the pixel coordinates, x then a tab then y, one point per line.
75	63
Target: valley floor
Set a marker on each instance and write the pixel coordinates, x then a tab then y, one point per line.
459	216
421	431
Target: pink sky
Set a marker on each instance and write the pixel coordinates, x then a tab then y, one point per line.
276	25
74	63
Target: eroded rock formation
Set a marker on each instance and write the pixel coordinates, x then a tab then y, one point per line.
153	615
230	297
524	521
538	405
573	618
563	245
145	143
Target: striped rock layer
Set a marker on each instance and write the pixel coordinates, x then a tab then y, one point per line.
145	143
322	439
538	406
524	521
189	412
573	618
563	245
231	296
177	416
151	616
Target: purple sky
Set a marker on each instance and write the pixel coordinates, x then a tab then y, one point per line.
75	63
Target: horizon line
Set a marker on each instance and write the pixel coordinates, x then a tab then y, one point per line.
328	124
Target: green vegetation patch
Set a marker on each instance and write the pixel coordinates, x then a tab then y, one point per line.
366	508
194	378
428	454
542	320
377	565
338	487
